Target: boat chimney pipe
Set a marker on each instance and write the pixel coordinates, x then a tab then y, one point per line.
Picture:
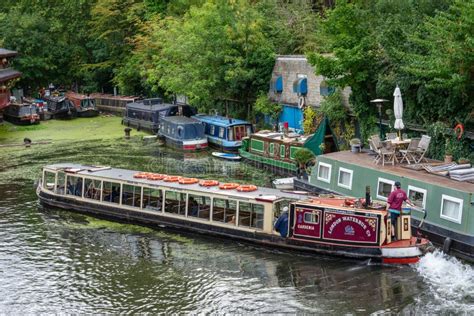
367	196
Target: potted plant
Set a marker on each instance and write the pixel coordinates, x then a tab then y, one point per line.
355	145
448	151
303	158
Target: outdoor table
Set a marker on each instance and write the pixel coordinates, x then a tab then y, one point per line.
399	144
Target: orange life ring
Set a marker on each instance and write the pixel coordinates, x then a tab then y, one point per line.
459	130
208	183
246	188
155	176
140	175
228	186
172	178
188	180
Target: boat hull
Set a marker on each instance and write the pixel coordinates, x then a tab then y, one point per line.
21	120
87	112
157	219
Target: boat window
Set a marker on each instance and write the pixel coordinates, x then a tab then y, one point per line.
384	188
230	133
239	132
311	218
111	192
251	215
92	189
345	178
324	172
451	208
152	199
199	206
194	131
224	211
175	202
49	180
212	130
73	185
221	132
61	182
417	196
282	151
131	195
180	131
271	148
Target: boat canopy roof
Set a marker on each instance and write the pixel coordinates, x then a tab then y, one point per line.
140	105
116	174
220	120
180	120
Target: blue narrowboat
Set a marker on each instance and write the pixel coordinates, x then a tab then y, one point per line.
147	114
223	132
183	133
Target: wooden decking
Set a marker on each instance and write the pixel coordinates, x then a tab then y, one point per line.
365	160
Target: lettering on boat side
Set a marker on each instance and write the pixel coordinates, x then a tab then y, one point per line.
352	228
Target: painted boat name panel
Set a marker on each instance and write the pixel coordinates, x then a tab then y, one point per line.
349	227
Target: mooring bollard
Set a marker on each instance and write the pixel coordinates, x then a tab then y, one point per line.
127	131
27	142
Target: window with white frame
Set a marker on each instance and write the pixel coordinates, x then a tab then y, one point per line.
344	179
451	208
417	196
384	188
324	172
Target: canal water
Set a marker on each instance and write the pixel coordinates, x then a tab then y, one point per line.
55	261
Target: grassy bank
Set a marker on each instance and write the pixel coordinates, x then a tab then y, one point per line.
101	127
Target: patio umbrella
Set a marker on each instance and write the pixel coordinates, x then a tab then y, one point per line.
398	109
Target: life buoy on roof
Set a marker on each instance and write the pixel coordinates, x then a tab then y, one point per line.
188	181
246	188
172	178
208	183
301	102
228	186
459	130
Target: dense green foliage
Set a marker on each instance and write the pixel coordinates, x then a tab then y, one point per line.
220	53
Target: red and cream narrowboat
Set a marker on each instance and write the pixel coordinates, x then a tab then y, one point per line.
333	226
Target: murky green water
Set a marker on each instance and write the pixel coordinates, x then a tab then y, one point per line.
54	261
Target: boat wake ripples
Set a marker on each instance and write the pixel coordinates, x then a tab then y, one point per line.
451	284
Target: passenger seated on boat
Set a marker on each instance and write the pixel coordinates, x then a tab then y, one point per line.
193	207
281	224
78	191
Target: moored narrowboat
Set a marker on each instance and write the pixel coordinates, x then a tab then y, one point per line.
146	114
343	227
276	151
112	103
449	204
22	114
85	105
59	107
223	132
183	133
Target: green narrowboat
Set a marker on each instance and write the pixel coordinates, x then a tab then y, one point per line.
276	150
445	206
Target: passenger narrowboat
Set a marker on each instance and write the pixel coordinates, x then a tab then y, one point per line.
449	204
112	103
341	226
183	133
22	114
146	114
223	132
84	104
276	151
59	107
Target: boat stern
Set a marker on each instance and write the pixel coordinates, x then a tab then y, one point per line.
407	251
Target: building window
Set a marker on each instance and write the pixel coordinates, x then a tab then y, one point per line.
451	208
311	218
345	178
324	172
417	196
384	188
